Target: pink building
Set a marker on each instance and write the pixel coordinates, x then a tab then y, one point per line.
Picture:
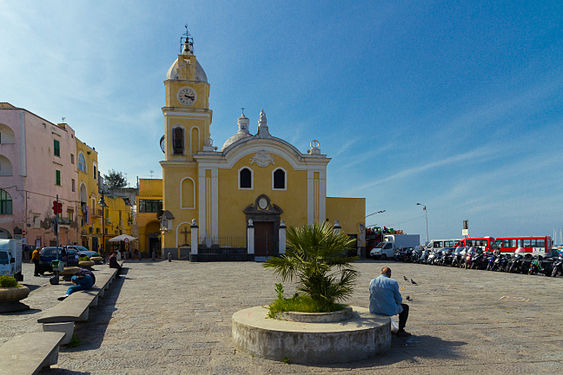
37	163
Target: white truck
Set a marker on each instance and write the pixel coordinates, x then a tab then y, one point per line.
11	258
392	242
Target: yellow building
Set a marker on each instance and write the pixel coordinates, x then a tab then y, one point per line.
243	195
149	206
90	215
118	219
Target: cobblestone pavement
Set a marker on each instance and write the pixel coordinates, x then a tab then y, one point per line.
175	318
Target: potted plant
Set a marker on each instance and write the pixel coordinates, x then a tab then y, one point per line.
11	293
316	257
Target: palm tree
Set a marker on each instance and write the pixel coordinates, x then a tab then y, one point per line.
317	257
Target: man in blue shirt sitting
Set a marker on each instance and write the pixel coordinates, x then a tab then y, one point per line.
385	299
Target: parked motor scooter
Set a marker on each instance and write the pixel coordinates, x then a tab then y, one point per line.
458	257
469	253
526	263
557	267
479	260
515	263
535	266
491	262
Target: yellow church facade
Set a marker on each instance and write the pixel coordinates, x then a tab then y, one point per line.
234	203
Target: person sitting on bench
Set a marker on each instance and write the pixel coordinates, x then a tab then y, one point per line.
113	263
385	299
84	280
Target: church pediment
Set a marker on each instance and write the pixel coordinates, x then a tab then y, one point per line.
262	206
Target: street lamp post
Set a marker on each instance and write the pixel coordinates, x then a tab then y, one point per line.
426	215
103	204
373	213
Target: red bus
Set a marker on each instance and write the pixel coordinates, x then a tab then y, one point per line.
485	243
535	245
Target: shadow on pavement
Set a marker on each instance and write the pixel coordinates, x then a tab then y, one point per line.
31	287
59	371
91	333
410	350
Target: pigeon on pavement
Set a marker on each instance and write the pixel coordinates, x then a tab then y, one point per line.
404	277
414	282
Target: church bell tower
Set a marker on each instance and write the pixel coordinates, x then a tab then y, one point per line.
186	112
187	119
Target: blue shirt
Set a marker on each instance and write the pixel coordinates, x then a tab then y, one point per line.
384	296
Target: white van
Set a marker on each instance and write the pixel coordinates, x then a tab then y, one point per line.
11	258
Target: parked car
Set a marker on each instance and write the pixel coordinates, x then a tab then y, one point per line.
69	257
82	251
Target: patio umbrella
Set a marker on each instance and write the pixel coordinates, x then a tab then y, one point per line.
122	237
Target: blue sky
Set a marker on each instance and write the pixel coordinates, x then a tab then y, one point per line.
457	105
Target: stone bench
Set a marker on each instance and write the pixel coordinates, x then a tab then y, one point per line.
29	353
75	308
104	280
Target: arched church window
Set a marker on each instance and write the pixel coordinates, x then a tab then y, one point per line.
279	179
245	178
81	162
5	203
178	141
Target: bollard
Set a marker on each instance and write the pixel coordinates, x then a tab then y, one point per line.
169	257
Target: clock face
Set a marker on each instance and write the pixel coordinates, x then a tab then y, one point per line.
187	95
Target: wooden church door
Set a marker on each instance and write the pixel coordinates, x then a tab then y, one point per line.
263	238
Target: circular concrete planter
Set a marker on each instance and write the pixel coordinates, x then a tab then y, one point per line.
324	317
86	263
10	297
362	336
13	294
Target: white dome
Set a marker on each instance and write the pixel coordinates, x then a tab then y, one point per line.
234	139
199	72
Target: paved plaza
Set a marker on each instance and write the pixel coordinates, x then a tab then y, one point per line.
175	318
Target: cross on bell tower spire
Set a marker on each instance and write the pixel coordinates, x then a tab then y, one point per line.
188	43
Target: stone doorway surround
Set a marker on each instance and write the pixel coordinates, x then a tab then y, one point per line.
264	211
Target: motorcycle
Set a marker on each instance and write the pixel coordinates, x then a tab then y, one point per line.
432	257
557	267
424	256
501	263
526	263
469	257
491	262
515	263
535	266
479	260
447	256
458	257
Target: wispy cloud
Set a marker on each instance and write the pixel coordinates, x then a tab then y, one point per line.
477	154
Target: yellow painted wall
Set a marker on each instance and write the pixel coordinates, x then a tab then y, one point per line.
118	217
148	189
91	184
173	175
350	212
232	201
